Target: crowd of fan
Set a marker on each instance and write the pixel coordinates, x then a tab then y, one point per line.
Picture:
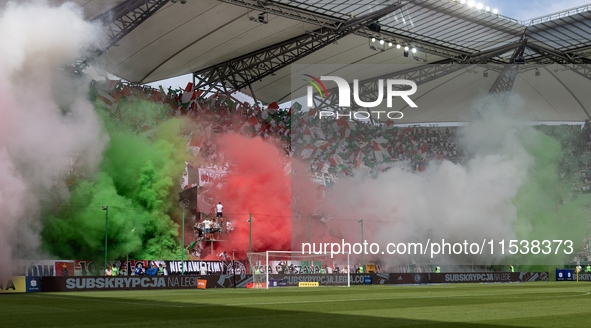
121	269
220	112
441	143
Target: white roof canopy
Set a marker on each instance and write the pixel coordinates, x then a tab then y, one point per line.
181	38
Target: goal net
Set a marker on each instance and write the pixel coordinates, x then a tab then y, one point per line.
283	268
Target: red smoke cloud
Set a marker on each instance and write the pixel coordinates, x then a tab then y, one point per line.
257	184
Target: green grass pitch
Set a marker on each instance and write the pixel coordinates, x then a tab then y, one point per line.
536	304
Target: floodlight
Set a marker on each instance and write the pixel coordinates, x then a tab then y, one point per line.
471	4
381	41
373	39
495	11
406	48
398	46
414	50
389	44
479	6
487	8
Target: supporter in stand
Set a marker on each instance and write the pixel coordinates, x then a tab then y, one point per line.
203	270
139	269
336	269
284	266
109	271
165	271
123	271
114	270
152	271
219	208
221	225
161	269
215	227
207	229
191	248
199	227
223	256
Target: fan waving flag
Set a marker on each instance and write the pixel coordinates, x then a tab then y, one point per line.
337	161
423	151
358	158
195	145
380	152
250	125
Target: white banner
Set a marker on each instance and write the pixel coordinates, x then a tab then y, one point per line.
208	176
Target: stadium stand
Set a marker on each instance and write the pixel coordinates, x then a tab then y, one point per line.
331	146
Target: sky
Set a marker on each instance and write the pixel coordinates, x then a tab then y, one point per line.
522	10
528	9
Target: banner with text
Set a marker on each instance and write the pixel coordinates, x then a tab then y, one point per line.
209	176
211	267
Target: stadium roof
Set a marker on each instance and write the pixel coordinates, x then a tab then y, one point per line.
249	45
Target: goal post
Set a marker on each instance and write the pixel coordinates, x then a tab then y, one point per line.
289	268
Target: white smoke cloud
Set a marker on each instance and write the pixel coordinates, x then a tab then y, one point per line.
45	117
456	202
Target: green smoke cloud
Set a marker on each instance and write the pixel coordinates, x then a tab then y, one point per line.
547	208
138	180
